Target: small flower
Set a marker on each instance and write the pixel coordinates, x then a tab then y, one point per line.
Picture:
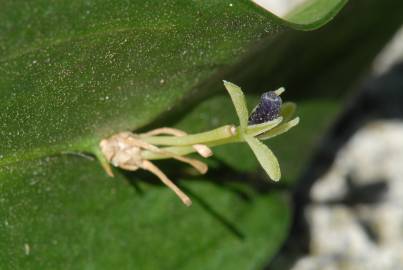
268	109
270	118
274	123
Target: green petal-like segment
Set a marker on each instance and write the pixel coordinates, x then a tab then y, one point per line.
288	110
265	157
255	130
238	99
279	129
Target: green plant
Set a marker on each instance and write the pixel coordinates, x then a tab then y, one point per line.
133	151
74	73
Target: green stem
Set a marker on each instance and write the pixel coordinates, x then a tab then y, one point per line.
183	145
186	149
220	133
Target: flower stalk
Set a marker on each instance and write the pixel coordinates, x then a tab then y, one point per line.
132	151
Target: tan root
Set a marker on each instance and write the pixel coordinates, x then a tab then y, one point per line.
124	150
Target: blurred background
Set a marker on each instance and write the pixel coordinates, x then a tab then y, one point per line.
349	202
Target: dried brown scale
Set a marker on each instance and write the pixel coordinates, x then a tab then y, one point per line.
124	150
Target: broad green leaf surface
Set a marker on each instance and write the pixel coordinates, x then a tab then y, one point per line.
63	212
74	72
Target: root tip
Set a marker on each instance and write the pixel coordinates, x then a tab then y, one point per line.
187	202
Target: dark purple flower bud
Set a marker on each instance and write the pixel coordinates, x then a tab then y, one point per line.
268	109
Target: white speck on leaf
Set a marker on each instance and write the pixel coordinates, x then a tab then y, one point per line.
27	249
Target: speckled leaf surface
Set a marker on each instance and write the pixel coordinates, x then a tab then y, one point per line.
77	218
72	72
65	210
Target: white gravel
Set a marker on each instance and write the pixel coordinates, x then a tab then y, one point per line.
340	237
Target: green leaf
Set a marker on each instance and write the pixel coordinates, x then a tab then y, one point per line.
72	73
265	157
64	211
238	99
